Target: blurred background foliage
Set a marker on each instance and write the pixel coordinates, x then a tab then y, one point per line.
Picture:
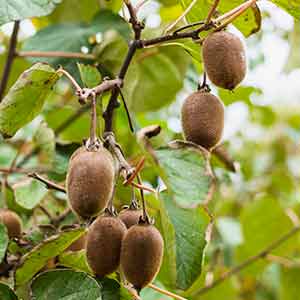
251	207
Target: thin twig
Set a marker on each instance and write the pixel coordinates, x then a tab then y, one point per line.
49	184
165	292
212	11
249	261
181	17
71	78
10	58
287	263
136	25
61	54
22	170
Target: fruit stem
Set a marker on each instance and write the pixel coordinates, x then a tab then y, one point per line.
93	142
212	11
165	292
145	214
134	204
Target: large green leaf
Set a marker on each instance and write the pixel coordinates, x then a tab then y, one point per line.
90	76
155	77
190	227
113	290
34	261
289	283
29	193
53	38
292	7
186	172
26	98
65	284
249	22
263	221
3	241
6	293
12	10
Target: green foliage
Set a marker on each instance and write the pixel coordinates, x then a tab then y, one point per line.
6	293
90	76
35	260
26	98
65	284
3	241
13	10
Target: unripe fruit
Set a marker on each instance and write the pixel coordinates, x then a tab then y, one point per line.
78	244
202	117
90	181
224	59
141	255
12	222
130	216
103	245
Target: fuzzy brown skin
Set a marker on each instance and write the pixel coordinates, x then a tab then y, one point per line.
202	117
224	59
103	245
12	222
141	255
130	216
90	181
78	244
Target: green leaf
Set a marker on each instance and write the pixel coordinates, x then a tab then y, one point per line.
263	221
34	261
6	293
75	260
112	290
154	78
65	284
248	23
292	7
44	140
90	76
53	37
293	61
29	193
186	172
289	283
230	231
3	241
26	98
13	10
190	227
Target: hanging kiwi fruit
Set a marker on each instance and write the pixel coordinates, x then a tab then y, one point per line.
130	215
141	254
12	222
103	246
90	175
202	117
142	250
224	59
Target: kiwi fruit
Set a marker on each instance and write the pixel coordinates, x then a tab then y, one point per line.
130	216
141	254
224	59
103	246
12	222
90	181
202	117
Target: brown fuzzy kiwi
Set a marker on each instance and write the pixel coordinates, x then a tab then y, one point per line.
12	222
130	216
90	181
202	117
141	255
103	246
78	244
224	59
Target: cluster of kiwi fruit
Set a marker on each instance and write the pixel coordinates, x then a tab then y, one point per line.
202	113
127	241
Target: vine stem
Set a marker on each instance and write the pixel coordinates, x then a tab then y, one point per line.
262	254
49	184
212	11
62	54
10	58
165	292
